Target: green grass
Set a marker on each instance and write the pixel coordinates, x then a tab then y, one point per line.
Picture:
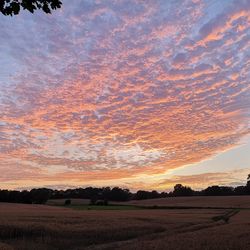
103	207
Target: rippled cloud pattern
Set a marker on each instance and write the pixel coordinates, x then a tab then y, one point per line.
105	90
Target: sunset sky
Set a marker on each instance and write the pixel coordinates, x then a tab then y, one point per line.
140	94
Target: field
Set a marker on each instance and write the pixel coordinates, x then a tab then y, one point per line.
198	201
83	204
55	227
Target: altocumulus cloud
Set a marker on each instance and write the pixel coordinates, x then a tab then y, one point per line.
114	89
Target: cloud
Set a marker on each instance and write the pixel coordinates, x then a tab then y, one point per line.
111	89
199	181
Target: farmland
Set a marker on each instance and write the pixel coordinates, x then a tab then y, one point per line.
56	227
198	201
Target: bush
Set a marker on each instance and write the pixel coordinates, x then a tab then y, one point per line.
67	202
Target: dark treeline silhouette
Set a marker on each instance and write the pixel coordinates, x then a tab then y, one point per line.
105	194
41	195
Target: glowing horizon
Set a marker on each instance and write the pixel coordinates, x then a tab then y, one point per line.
125	93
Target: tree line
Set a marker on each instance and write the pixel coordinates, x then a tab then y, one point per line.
42	195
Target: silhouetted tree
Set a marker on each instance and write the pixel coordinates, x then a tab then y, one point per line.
14	196
218	190
67	202
180	190
119	194
25	197
105	194
224	190
4	195
240	190
154	194
13	7
248	185
93	200
212	191
143	195
40	195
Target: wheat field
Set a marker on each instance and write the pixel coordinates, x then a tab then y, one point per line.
198	201
42	227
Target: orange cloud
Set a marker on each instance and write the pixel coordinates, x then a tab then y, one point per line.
115	92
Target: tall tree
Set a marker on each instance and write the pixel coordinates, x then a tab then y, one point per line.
13	7
180	190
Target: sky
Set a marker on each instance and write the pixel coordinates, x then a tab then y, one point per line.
139	94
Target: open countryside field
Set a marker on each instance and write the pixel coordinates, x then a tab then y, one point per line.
193	201
197	201
84	204
59	202
55	227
